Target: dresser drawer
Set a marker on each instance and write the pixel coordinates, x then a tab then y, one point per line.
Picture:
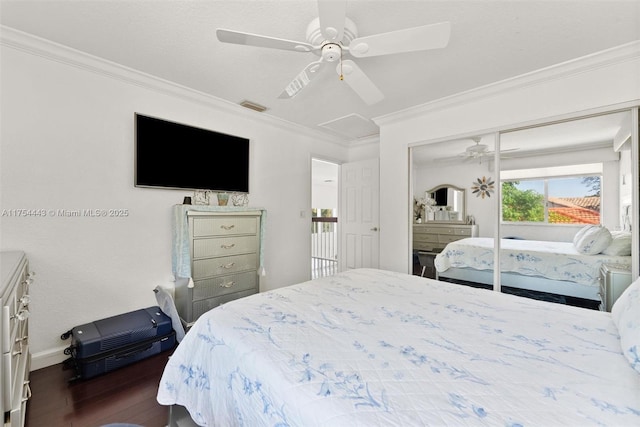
424	246
427	238
446	238
14	306
209	267
13	363
200	307
454	231
223	246
20	392
426	229
222	285
224	225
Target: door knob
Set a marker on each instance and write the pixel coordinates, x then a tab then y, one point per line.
374	229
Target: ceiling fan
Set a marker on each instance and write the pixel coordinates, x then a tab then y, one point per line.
332	36
478	151
473	152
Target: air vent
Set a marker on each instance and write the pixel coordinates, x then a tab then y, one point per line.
253	106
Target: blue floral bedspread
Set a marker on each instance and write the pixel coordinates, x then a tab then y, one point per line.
376	348
553	260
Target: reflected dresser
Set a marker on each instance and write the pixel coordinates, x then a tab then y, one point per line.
430	239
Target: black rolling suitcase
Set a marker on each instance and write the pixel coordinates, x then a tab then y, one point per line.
104	345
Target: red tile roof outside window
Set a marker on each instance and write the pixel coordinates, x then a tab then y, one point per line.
574	210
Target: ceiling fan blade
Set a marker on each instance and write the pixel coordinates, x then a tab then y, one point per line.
301	80
238	37
359	82
426	37
332	14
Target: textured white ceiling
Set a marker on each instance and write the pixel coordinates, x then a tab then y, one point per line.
175	40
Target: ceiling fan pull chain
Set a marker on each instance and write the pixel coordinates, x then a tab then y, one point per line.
341	76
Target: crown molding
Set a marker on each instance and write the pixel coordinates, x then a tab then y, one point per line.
619	54
365	140
53	51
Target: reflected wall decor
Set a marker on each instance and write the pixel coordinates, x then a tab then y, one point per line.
483	187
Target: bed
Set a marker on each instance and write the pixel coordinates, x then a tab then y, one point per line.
554	267
370	348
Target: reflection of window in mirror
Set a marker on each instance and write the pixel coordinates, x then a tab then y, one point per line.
565	175
554	195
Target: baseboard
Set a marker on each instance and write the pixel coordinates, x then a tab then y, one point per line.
47	358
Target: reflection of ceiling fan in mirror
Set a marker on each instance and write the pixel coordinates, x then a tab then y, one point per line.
332	36
479	151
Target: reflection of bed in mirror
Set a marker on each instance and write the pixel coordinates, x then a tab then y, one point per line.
553	267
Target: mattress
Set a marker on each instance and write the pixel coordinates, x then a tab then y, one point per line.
551	260
370	347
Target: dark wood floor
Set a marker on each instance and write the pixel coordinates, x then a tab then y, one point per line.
126	395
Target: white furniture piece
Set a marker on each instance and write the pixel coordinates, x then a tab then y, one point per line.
434	237
224	258
14	337
614	279
430	239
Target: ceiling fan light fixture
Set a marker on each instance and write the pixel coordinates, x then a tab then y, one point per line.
331	52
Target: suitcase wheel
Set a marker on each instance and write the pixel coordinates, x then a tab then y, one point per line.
65	336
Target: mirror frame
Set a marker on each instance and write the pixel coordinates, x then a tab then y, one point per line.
463	215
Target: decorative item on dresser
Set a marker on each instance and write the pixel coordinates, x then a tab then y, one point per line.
217	256
430	239
14	337
614	279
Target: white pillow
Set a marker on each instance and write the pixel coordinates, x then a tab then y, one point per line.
579	234
620	244
592	239
626	316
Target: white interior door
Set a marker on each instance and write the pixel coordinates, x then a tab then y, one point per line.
359	214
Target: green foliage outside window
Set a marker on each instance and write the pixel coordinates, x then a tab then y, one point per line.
521	205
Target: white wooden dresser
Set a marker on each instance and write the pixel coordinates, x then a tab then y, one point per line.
224	251
430	239
434	237
14	337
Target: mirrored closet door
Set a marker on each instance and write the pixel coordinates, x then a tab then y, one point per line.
453	187
566	208
551	204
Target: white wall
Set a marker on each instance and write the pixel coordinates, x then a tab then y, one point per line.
587	84
67	143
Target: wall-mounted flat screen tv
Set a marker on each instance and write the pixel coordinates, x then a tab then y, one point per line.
173	155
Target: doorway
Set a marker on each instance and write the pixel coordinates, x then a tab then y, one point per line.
324	218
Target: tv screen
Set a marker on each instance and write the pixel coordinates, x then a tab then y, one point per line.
173	155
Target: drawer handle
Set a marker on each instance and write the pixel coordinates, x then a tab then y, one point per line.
28	390
228	266
21	315
227	246
29	279
24	301
227	227
227	285
15	353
